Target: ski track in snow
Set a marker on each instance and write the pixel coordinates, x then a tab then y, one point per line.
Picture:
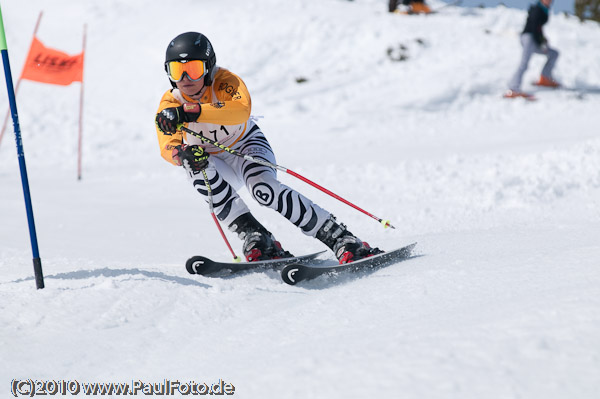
501	196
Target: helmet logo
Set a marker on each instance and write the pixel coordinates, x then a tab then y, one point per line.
183	55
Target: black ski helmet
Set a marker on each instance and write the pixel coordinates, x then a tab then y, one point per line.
193	46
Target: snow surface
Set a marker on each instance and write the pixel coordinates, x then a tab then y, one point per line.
502	197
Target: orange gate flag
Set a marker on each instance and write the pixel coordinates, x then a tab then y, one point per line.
47	65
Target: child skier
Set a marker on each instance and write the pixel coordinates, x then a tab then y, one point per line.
215	102
533	41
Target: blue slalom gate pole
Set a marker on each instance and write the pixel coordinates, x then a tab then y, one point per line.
37	262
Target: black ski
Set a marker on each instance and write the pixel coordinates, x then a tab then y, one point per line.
205	266
294	273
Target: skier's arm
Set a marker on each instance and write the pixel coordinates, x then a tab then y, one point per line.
167	142
234	104
232	108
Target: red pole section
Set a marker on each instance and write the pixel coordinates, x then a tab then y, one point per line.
212	212
235	257
385	223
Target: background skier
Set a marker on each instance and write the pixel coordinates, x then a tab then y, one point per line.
534	41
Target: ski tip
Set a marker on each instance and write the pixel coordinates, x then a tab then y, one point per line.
288	274
511	94
194	263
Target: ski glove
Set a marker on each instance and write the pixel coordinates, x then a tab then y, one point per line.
191	156
168	119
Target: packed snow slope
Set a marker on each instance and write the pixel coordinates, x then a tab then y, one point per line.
402	115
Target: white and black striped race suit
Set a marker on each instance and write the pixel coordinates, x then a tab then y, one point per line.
226	171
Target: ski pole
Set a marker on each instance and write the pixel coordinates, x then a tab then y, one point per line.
212	212
385	223
37	261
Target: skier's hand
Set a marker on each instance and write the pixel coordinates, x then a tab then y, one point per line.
168	119
544	45
191	156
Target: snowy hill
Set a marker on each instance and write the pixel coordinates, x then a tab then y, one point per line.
502	196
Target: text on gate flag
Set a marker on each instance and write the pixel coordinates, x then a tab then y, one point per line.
47	65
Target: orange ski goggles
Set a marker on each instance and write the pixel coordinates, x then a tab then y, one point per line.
195	69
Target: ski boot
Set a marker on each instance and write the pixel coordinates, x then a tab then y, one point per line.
259	244
346	247
546	81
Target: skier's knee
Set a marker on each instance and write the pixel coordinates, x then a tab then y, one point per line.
263	192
